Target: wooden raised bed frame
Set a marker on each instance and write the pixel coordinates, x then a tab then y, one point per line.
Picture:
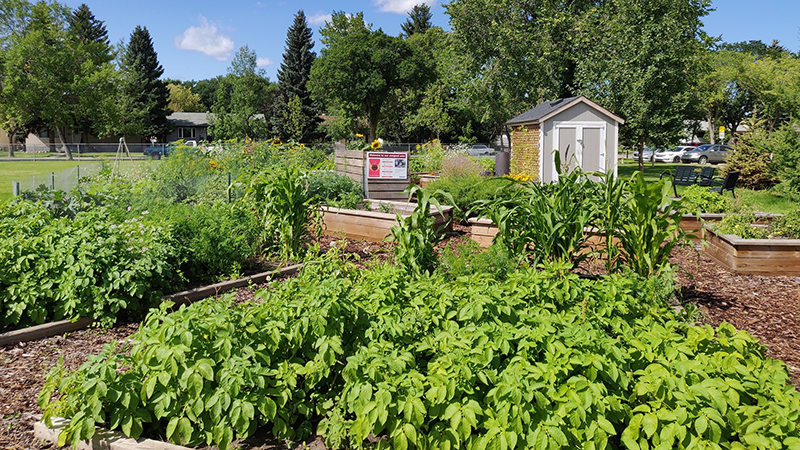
373	225
769	257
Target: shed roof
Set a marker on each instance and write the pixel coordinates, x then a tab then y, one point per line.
544	111
188	119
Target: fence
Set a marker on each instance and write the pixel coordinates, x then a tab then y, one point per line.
65	180
32	150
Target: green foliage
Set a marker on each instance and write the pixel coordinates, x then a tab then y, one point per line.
461	166
543	222
752	158
61	268
414	236
785	146
430	156
464	191
698	199
787	226
333	189
285	209
144	99
741	224
468	258
542	359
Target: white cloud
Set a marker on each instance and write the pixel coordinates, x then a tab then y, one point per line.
206	39
399	6
264	62
319	18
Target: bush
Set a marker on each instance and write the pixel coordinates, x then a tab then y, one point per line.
542	359
752	156
785	146
461	166
467	190
430	156
787	226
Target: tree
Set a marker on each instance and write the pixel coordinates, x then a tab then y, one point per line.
182	99
95	82
359	69
289	121
244	102
144	97
419	20
641	65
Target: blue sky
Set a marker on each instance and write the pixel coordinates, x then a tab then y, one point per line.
195	39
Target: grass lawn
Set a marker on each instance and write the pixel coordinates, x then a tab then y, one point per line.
23	171
762	201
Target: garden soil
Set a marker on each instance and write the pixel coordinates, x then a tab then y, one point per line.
767	307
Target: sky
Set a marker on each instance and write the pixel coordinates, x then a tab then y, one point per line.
196	39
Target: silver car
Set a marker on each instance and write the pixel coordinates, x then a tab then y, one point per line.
671	155
707	153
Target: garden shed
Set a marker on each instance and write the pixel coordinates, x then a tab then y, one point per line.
584	133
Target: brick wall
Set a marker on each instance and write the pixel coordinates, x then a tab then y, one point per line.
525	155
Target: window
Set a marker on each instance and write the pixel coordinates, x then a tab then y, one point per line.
186	133
44	133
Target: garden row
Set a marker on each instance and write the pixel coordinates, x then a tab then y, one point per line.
508	358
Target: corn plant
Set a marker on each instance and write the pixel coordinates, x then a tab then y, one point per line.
544	222
286	209
415	235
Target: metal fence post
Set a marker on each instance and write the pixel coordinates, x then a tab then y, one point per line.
79	168
52	181
15	188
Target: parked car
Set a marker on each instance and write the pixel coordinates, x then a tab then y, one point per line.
707	153
671	155
157	152
480	150
647	155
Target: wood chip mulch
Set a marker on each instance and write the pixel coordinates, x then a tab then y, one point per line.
767	307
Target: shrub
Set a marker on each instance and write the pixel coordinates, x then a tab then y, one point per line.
430	156
787	226
698	199
785	146
465	191
752	156
740	223
461	166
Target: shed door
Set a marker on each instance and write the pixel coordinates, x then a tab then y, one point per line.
587	146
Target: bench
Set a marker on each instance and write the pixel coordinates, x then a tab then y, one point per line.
690	175
720	185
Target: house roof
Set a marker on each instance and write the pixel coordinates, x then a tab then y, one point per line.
188	119
546	110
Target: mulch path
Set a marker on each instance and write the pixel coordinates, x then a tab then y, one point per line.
767	307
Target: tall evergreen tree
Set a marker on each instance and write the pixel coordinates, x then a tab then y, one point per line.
296	116
144	99
419	20
91	33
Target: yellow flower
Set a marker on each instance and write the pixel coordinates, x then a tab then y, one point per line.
276	141
302	145
359	136
376	144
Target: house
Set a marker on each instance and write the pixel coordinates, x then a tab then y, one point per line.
584	133
188	126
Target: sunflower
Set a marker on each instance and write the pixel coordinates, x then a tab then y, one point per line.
276	141
376	144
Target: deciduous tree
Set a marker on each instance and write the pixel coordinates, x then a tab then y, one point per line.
182	99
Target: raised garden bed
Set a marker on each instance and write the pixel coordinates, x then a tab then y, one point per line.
483	231
769	257
376	224
694	225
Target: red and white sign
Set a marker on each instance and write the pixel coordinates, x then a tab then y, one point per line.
388	166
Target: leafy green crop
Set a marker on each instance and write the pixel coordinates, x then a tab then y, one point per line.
60	268
542	359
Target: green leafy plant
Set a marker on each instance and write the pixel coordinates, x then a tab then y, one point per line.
332	189
787	226
543	222
741	223
415	235
285	208
698	199
465	191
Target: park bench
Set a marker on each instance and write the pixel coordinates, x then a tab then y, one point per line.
690	175
720	185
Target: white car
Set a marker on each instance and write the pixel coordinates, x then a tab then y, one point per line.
480	150
671	155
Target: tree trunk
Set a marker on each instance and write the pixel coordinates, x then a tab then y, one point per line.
11	135
711	134
64	145
640	148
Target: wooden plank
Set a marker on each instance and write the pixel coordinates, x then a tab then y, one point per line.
103	439
43	331
349	153
351	161
200	293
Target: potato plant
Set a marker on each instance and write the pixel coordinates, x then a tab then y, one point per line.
540	359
